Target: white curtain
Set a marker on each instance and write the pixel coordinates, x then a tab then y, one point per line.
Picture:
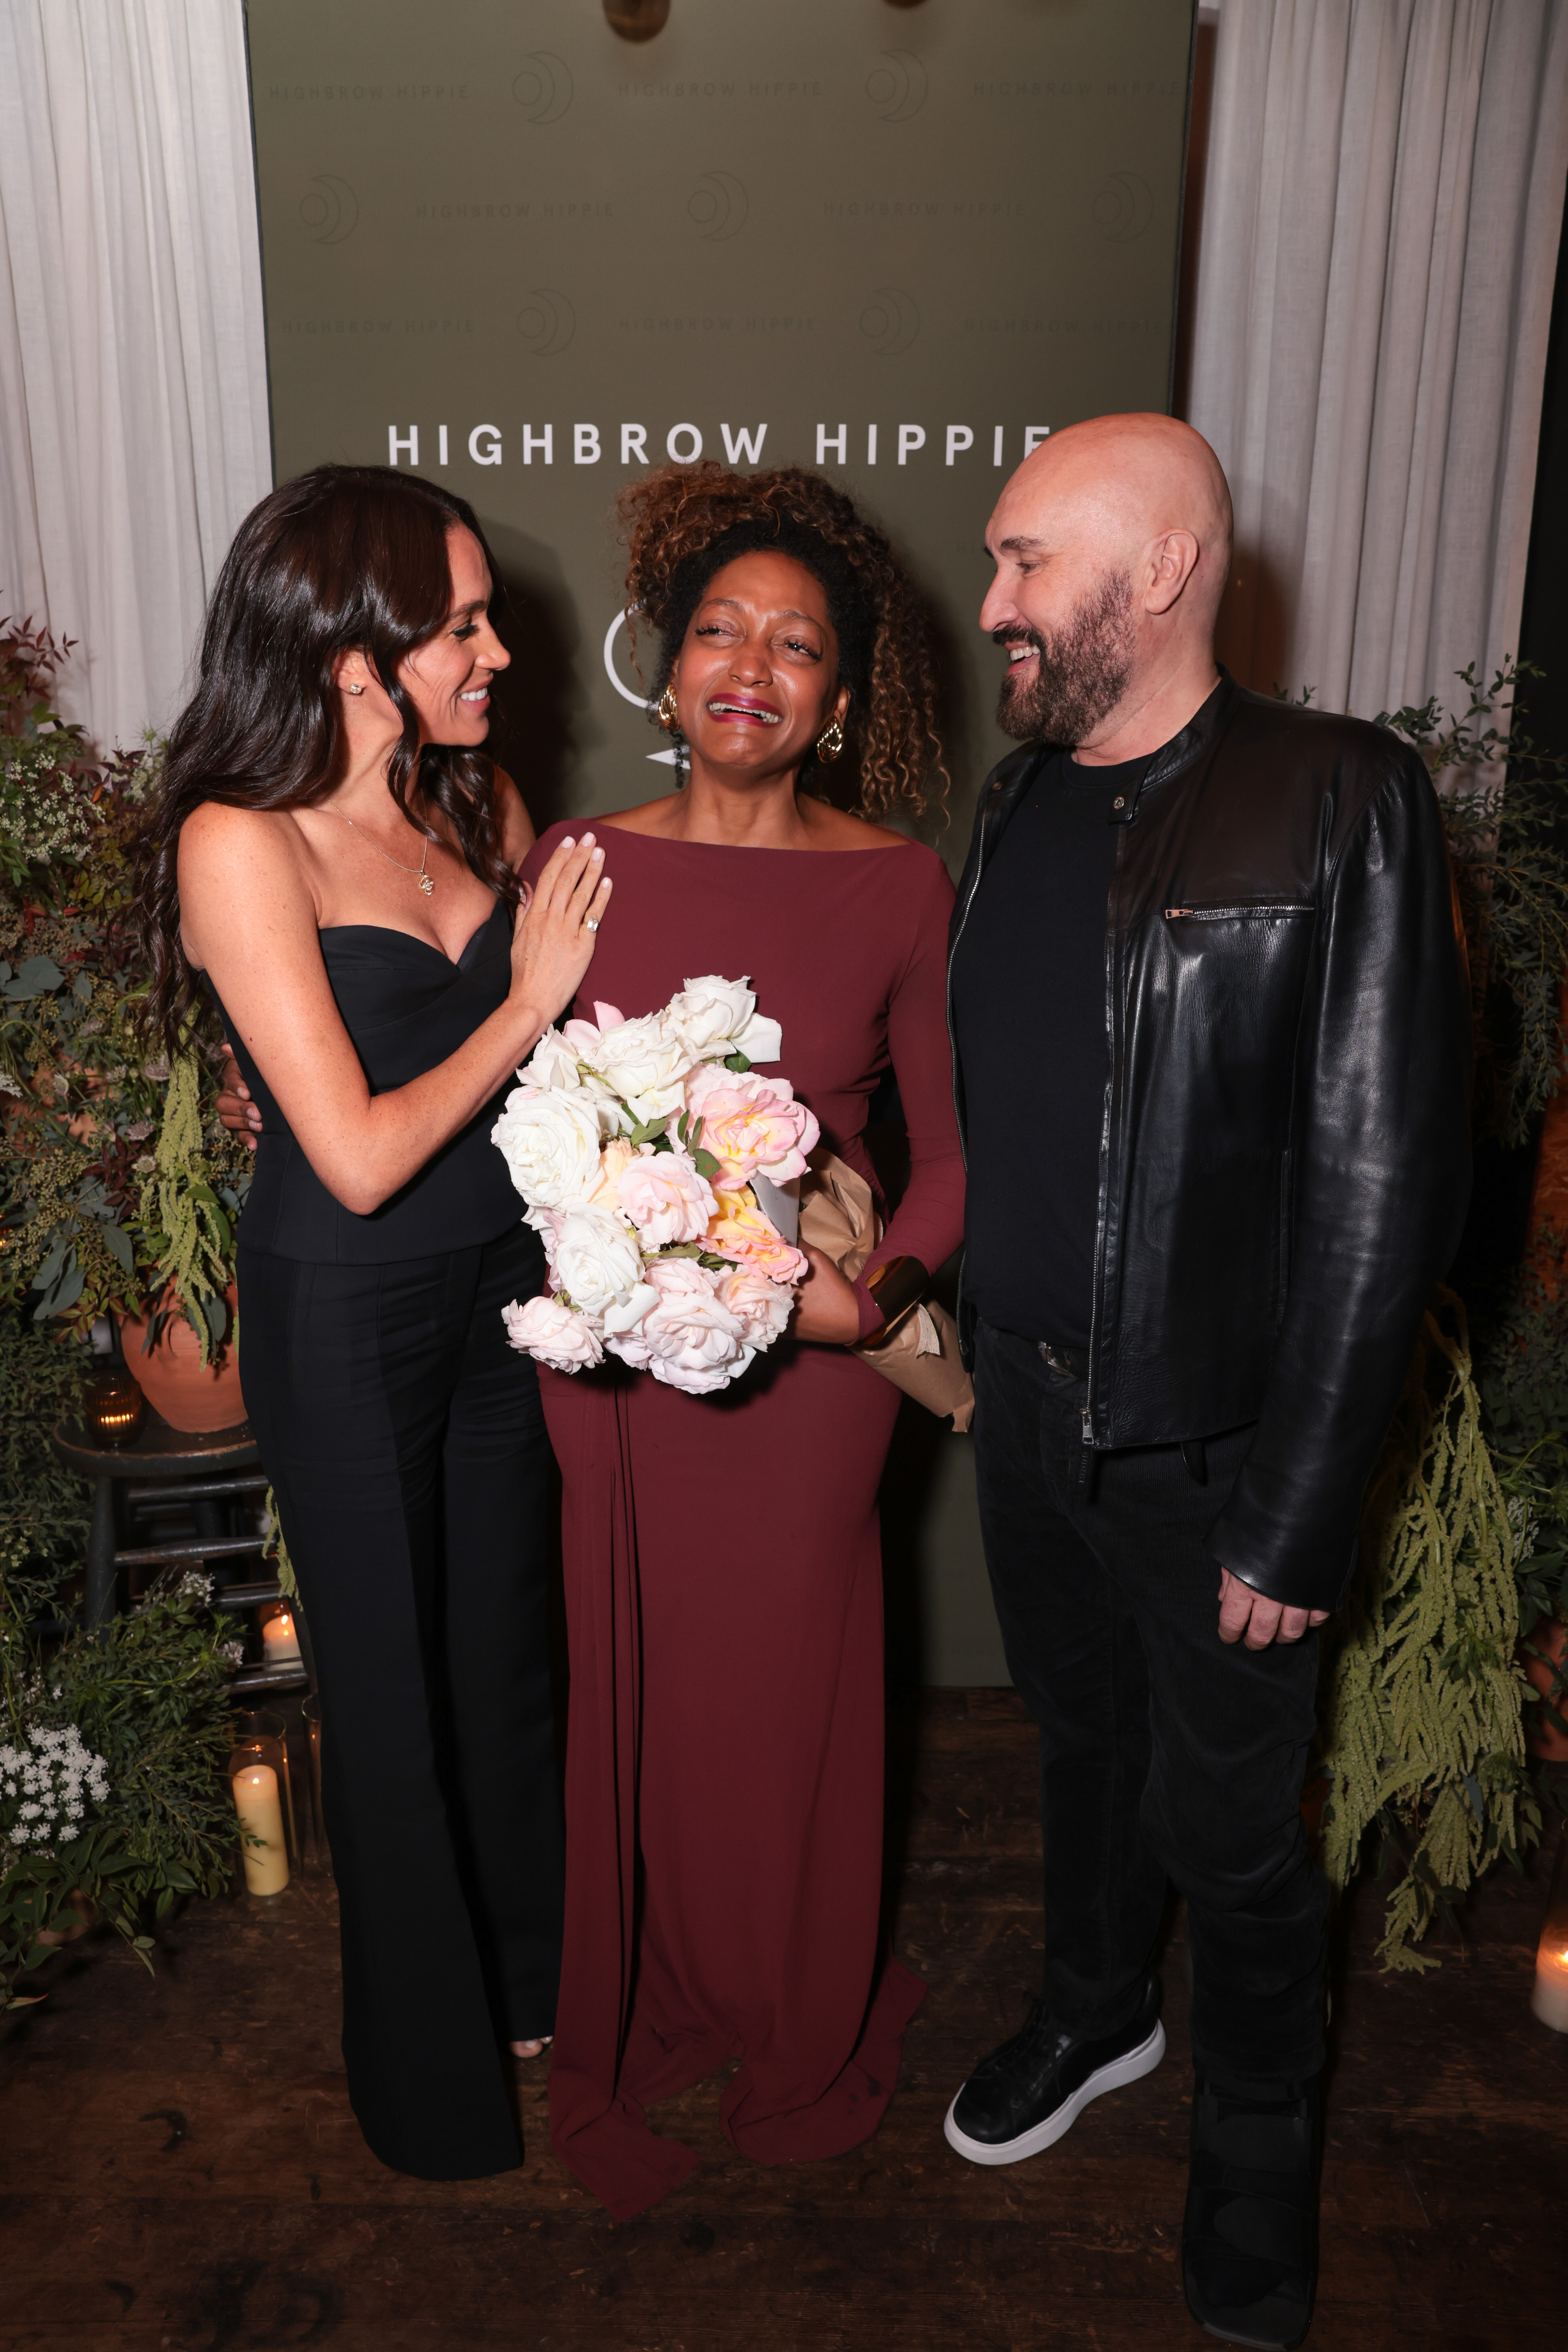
133	365
1380	213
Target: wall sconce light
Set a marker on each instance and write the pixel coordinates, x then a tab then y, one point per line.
636	20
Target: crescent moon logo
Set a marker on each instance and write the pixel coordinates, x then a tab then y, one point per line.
717	205
1123	208
889	321
330	209
546	322
543	87
898	87
611	672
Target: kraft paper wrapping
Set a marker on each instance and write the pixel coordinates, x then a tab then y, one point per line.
838	1217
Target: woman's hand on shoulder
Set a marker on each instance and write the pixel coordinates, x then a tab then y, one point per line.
555	933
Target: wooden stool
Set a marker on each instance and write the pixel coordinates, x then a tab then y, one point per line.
175	1465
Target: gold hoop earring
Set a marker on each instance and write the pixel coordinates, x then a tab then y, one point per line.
831	742
666	715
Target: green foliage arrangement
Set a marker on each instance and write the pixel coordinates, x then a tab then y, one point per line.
89	1223
1503	800
113	1749
44	1506
1423	1732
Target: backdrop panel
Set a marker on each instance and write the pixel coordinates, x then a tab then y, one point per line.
510	248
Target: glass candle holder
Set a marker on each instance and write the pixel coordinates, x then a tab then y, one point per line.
112	1406
261	1737
1549	1998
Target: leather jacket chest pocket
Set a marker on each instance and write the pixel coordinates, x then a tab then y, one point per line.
1241	963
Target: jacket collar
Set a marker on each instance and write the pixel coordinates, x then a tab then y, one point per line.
1011	777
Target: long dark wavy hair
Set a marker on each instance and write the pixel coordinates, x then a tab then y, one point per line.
683	523
346	558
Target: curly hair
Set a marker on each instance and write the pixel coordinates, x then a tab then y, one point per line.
344	558
683	523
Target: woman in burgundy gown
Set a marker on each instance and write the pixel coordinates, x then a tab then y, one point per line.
723	1575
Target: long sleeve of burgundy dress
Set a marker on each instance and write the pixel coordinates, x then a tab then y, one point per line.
724	1577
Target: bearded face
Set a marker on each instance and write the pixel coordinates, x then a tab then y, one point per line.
1078	673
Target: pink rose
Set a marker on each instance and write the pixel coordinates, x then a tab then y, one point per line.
544	1328
762	1307
665	1197
687	1339
740	1231
751	1124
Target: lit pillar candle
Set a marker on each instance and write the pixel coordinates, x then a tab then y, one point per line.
280	1641
1550	1997
256	1803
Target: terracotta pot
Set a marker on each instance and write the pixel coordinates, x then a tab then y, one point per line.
1542	1739
191	1395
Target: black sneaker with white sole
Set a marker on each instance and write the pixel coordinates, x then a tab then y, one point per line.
1027	2093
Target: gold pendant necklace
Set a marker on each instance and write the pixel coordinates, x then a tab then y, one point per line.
424	879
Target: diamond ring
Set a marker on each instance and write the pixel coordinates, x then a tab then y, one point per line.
589	924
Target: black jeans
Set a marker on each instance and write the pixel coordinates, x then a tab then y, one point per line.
1163	1754
406	1443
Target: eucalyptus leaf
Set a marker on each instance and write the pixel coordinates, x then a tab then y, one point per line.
118	1241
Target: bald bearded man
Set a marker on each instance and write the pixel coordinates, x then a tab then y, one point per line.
1210	1029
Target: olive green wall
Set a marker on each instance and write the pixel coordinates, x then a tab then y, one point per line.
497	239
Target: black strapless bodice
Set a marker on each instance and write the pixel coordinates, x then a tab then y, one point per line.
407	1008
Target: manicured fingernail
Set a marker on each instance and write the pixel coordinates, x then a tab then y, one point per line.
567	842
587	841
597	854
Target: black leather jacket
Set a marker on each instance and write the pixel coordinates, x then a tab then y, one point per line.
1285	1161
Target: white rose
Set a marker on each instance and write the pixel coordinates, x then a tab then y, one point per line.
644	1063
552	1063
687	1339
597	1261
715	1018
550	1140
547	1329
762	1307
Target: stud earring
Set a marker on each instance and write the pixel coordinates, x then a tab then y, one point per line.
831	742
356	689
665	713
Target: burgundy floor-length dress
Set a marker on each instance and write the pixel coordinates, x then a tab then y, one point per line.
724	1577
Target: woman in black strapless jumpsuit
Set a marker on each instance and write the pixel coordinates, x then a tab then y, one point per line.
407	1449
333	853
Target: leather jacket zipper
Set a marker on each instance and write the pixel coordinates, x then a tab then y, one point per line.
1241	909
1096	1306
951	960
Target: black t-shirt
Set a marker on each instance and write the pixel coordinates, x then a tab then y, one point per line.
1028	994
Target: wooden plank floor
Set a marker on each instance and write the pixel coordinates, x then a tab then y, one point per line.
180	2172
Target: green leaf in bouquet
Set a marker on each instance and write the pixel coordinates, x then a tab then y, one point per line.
647	1129
738	1063
705	1163
714	1265
679	1249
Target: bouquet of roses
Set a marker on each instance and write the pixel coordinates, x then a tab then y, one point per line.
636	1144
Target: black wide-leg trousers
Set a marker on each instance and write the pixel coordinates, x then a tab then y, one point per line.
1164	1754
406	1445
